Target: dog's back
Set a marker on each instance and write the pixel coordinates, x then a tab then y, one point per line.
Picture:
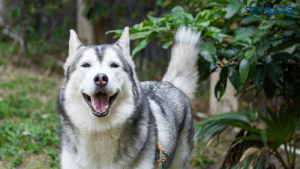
173	117
169	99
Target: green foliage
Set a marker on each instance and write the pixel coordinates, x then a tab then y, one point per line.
262	50
34	29
256	54
280	129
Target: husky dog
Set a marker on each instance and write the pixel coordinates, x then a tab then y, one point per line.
110	120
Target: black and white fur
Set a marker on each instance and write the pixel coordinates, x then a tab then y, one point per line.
142	114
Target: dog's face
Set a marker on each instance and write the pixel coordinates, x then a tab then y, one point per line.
101	75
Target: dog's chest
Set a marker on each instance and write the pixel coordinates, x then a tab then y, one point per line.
99	149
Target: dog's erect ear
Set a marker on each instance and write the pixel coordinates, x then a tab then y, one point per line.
74	44
124	41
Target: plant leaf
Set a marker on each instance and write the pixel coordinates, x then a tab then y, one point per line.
244	70
208	52
275	73
250	52
219	90
177	9
259	75
234	77
250	19
269	88
232	8
245	163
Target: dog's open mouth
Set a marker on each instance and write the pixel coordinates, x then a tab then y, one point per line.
100	103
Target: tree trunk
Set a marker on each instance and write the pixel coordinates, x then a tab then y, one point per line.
85	30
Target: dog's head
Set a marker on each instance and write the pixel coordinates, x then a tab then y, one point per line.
100	77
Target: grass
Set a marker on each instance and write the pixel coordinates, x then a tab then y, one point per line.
28	121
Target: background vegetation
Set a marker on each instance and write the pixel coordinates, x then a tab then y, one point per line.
259	54
262	50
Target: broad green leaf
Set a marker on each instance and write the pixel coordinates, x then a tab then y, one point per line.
154	20
212	4
134	30
213	29
208	52
145	24
274	72
139	35
167	44
259	75
241	43
114	31
223	76
219	90
177	9
253	61
221	85
224	35
228	53
232	8
140	46
204	24
250	19
152	35
244	70
187	15
243	34
250	52
266	24
259	35
202	15
144	42
117	35
234	77
246	39
219	13
261	51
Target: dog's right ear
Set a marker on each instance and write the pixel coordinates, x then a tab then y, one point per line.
74	45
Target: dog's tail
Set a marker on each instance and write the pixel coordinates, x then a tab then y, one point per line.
182	71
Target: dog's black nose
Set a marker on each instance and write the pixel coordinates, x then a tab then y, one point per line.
101	79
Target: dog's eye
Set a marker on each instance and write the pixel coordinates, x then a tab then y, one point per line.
114	65
85	65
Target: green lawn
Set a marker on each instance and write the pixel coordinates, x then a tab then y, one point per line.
29	135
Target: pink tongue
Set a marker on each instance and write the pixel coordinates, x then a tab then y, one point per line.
99	102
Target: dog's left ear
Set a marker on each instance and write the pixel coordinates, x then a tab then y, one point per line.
124	42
